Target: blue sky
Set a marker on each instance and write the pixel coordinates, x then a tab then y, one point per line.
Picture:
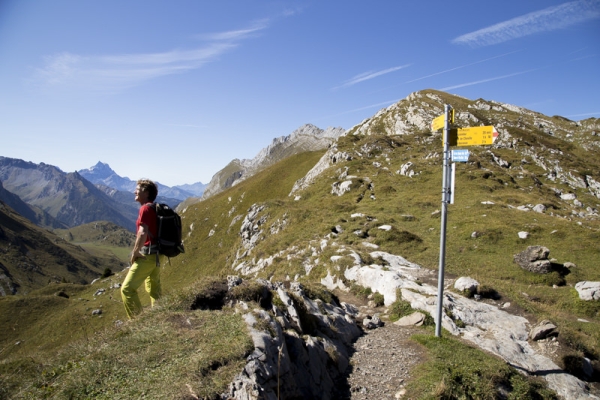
174	90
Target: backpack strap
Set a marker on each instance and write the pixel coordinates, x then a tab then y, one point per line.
153	206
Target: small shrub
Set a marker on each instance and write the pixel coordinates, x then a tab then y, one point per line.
360	291
399	309
378	299
252	291
316	291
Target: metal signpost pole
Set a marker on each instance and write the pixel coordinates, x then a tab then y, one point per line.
445	198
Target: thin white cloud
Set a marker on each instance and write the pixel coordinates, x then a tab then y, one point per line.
369	75
462	66
548	19
486	80
384	103
112	73
256	27
584	115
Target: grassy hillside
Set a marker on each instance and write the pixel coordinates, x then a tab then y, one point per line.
288	232
101	237
31	257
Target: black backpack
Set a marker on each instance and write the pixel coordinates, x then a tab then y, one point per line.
168	225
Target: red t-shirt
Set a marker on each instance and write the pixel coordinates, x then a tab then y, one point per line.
147	216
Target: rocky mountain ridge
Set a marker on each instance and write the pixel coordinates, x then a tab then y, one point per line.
416	112
68	197
306	138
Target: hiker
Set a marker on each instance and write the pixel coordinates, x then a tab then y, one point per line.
144	268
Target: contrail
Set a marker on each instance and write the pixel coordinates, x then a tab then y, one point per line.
487	80
548	19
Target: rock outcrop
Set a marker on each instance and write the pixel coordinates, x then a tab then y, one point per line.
301	347
534	259
588	290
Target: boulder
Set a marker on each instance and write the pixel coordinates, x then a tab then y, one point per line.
588	290
465	284
414	319
373	322
534	259
542	330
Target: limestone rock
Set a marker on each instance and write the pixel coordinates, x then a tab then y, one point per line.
291	360
414	319
542	330
534	259
588	290
372	322
466	284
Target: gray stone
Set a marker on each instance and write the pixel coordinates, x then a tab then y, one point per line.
588	290
372	322
542	330
466	284
534	259
540	208
233	280
414	319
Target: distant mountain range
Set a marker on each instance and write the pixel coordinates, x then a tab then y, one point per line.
54	199
102	174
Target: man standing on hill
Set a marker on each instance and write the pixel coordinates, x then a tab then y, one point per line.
143	268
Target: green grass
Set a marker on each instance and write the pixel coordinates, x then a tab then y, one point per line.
47	326
455	370
162	355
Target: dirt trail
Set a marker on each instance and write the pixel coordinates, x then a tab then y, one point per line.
382	359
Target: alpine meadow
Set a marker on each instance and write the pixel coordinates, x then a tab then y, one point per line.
265	303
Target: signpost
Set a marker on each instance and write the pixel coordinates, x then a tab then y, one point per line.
439	122
460	155
445	201
472	136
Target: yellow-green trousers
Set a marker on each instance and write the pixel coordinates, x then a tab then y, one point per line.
142	270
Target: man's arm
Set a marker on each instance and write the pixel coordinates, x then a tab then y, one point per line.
140	239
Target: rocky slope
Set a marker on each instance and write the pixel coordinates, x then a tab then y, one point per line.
32	213
540	174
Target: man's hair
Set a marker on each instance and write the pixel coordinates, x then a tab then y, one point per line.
146	185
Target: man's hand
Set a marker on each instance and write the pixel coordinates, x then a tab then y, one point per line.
140	239
135	255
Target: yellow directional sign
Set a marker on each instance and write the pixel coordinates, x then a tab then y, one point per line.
473	136
439	122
